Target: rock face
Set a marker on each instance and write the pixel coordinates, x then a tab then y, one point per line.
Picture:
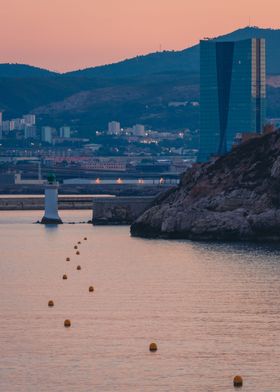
237	197
119	210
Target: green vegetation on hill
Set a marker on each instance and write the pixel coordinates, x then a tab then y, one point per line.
137	90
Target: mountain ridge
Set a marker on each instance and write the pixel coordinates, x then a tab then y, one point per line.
136	90
186	60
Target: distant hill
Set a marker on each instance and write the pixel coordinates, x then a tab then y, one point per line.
23	71
186	60
137	90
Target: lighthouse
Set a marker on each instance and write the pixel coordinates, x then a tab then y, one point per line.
51	209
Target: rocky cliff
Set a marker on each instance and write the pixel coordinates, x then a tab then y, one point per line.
237	197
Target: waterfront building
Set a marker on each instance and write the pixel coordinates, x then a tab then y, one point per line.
114	128
232	93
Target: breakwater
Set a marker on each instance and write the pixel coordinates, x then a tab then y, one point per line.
11	203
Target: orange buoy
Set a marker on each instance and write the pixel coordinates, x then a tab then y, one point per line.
237	381
77	253
91	289
67	258
64	277
67	323
79	267
153	347
85	238
75	247
50	303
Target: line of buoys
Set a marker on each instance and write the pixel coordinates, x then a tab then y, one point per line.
237	382
153	347
67	322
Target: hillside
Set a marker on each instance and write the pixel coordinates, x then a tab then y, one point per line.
137	90
186	60
235	198
24	71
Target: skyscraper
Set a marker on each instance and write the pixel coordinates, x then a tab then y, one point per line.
232	93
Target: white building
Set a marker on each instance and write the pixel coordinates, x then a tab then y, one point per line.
138	130
29	119
19	123
64	132
30	132
7	125
114	128
47	134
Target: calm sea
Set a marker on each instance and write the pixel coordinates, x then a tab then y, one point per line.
213	310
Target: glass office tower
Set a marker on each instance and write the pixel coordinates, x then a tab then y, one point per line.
232	93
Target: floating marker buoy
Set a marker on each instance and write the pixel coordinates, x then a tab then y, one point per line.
67	258
85	238
75	247
50	303
238	381
64	276
153	347
77	253
91	289
78	267
67	323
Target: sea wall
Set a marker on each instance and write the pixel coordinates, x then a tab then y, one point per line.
119	210
37	203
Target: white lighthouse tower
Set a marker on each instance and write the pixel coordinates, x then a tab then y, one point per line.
51	209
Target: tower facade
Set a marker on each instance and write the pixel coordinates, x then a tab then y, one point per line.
232	93
51	206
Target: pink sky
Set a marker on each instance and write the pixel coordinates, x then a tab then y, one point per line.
70	34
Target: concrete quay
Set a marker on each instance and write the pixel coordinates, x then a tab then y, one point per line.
32	202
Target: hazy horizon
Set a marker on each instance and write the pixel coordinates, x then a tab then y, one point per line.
65	35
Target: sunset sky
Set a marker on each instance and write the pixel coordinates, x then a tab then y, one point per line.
69	34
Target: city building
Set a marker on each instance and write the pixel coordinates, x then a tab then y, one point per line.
30	132
114	128
29	119
47	134
7	125
65	132
232	93
138	130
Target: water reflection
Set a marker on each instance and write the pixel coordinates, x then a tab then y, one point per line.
212	308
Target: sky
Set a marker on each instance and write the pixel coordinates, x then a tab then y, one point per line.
64	35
